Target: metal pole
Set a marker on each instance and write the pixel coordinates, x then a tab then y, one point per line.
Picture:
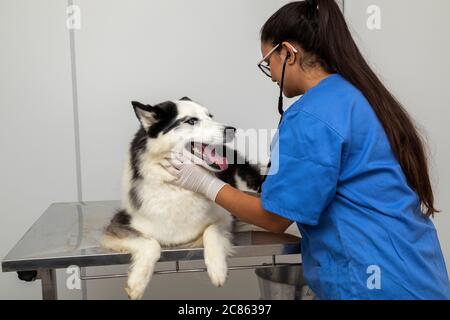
48	281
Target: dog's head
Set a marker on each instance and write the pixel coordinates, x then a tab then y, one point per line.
184	125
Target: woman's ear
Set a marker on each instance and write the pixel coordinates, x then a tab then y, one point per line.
291	53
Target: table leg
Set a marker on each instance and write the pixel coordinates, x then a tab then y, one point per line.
48	281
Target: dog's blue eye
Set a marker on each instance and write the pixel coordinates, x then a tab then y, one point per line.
192	121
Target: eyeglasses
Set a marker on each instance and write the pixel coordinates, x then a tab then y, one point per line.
263	65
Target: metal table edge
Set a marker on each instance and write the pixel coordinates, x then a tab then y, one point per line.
115	258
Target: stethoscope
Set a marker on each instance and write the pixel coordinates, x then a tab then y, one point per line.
280	98
280	111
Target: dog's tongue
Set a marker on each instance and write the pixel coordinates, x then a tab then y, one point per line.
221	161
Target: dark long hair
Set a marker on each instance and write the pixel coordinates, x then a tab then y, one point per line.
319	27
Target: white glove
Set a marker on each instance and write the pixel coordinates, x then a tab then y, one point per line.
193	177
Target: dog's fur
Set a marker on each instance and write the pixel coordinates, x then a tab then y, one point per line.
156	213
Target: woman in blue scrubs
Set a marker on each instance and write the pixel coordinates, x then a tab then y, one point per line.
350	168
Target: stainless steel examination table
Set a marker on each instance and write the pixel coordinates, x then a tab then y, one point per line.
68	234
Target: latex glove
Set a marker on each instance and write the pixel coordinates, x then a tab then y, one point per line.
193	177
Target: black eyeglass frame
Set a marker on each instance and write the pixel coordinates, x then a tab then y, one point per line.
265	68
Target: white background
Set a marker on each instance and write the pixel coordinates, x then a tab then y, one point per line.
155	50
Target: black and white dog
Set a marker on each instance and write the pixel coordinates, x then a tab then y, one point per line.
156	213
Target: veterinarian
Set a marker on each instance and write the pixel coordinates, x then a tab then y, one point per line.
350	168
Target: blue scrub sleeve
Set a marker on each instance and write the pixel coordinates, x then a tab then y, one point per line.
306	156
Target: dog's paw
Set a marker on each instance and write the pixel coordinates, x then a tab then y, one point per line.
135	291
217	273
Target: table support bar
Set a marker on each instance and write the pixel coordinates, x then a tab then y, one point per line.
177	270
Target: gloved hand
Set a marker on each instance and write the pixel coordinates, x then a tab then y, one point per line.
193	177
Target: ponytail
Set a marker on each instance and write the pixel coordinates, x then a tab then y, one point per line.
319	27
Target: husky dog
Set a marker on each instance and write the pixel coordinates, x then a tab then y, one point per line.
156	213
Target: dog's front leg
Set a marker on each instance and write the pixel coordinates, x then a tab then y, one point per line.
145	253
217	246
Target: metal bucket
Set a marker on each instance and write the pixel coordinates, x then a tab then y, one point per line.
283	283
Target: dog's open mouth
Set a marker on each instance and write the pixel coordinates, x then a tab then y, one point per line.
210	154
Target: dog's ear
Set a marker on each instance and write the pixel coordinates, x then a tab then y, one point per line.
185	99
146	114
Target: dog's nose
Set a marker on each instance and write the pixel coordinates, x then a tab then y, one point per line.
229	133
232	129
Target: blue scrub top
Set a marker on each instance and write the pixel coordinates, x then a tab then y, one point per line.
334	173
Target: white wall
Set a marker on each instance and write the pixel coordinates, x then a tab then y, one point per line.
152	51
165	49
36	123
